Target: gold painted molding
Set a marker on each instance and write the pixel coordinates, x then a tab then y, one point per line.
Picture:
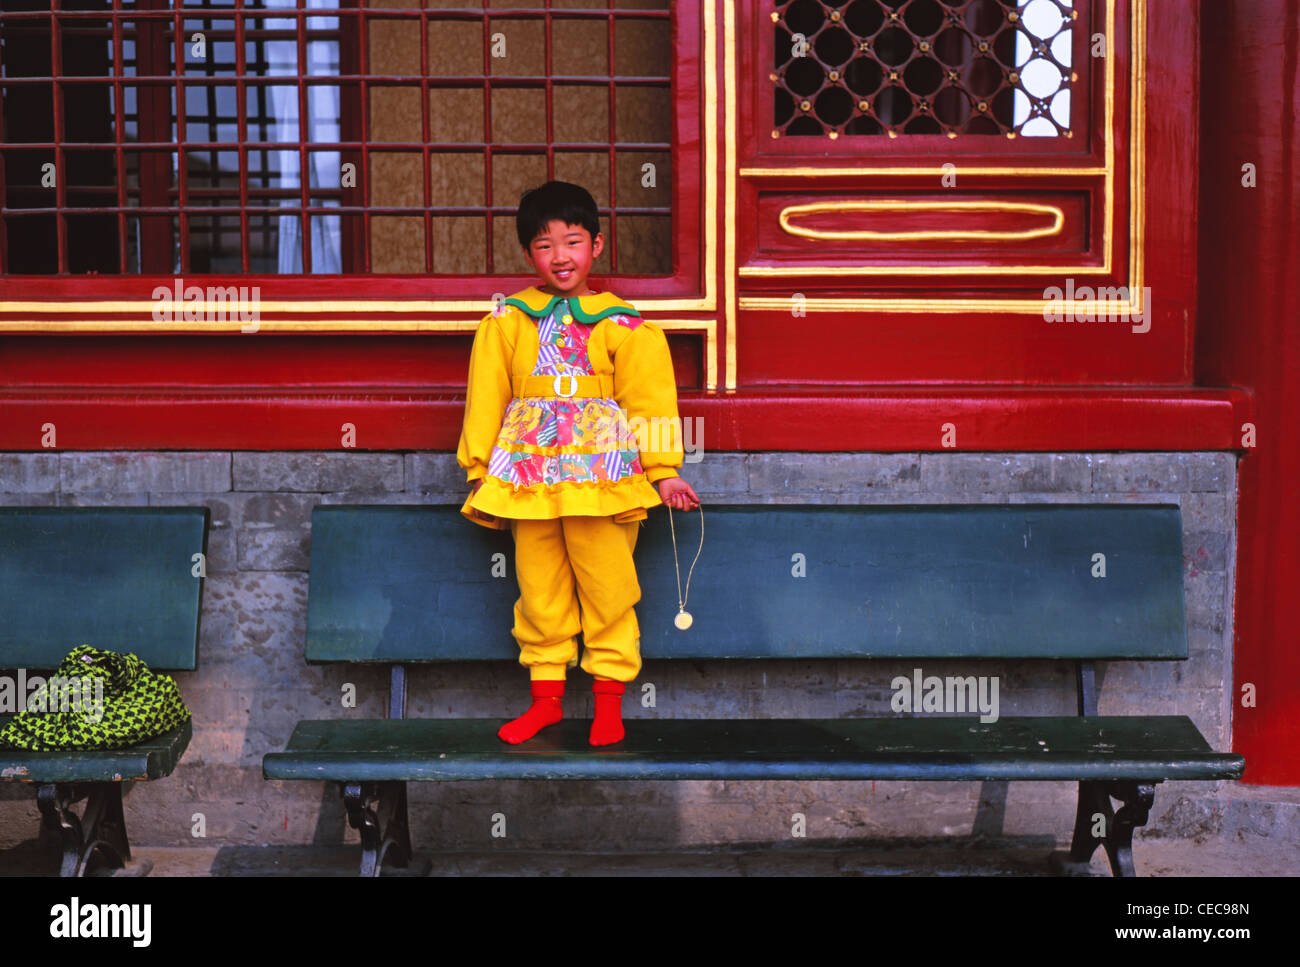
709	327
730	305
710	135
842	271
935	171
933	306
1137	221
1138	159
1058	219
1137	170
302	306
322	326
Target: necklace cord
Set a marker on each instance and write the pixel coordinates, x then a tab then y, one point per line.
681	600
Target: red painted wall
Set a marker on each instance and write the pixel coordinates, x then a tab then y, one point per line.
1016	388
1249	334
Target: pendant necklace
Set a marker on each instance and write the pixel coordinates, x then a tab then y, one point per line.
683	620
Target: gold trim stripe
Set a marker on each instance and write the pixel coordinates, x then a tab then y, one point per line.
729	185
1109	199
708	303
1018	306
1137	170
1137	220
934	171
853	270
710	213
1058	219
709	327
300	306
235	325
1107	241
706	326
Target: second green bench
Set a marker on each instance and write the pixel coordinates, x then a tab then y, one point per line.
121	579
402	585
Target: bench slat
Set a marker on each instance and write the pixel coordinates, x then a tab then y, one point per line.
117	578
148	760
949	748
416	583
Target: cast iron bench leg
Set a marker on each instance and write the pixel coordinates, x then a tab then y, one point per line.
1094	798
378	811
102	826
1137	798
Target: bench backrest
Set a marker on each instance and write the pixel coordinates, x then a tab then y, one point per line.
117	578
420	583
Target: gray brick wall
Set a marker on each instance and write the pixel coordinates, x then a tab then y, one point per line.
253	685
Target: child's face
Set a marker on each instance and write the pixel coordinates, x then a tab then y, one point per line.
562	256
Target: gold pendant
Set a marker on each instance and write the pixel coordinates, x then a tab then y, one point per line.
683	620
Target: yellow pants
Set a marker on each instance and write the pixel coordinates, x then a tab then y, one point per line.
564	563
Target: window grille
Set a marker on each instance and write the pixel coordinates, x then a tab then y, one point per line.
945	67
142	136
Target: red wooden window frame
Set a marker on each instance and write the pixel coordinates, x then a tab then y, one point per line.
686	278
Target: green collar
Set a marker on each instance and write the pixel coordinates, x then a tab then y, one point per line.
585	308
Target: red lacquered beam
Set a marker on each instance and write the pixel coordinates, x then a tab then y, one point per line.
816	419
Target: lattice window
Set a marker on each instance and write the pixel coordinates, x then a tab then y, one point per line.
862	67
418	124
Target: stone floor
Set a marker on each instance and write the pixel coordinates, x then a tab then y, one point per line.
1258	834
1153	859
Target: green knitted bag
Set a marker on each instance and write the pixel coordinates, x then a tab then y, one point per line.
96	700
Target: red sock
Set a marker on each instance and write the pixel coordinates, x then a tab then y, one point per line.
607	728
546	710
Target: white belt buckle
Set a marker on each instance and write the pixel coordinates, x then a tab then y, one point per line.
558	381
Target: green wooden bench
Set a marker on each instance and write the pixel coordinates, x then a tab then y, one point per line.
118	579
407	584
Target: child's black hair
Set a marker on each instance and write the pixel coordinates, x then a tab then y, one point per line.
538	207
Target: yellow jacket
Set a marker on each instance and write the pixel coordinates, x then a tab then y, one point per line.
628	354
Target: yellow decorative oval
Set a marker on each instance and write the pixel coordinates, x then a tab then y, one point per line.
1058	220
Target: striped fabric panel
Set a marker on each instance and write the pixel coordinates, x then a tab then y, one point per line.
613	464
499	465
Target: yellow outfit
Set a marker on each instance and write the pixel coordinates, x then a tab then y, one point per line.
570	417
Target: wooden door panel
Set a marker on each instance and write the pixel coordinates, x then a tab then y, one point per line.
931	242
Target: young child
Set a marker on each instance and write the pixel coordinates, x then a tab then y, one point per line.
558	376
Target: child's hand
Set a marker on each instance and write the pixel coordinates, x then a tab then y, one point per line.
477	483
677	494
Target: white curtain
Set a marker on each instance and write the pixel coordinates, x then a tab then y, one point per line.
1041	20
322	125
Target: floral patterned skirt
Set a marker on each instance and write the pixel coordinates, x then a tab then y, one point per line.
550	440
557	457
